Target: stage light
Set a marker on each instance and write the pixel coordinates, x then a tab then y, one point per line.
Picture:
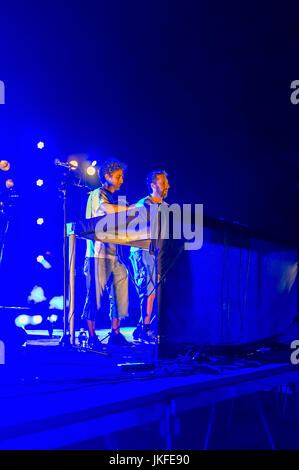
57	302
94	163
22	320
40	259
36	319
9	184
40	221
40	145
91	171
4	165
39	182
53	318
37	294
73	164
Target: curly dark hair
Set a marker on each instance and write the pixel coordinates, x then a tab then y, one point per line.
108	167
152	178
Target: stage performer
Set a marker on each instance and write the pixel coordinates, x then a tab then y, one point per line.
103	267
143	261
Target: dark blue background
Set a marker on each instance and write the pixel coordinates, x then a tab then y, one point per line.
200	89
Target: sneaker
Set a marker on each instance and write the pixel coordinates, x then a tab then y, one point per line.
94	343
147	335
137	332
118	340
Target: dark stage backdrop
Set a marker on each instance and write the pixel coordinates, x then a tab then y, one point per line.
236	289
200	89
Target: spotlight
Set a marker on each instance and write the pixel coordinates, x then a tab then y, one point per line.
73	164
22	320
37	294
9	184
36	319
57	302
40	259
40	221
4	165
94	163
52	318
91	170
40	145
46	265
39	182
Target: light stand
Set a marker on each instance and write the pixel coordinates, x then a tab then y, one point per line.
66	339
5	213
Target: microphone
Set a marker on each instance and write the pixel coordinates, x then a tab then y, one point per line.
69	165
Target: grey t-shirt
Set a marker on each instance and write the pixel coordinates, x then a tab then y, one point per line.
99	249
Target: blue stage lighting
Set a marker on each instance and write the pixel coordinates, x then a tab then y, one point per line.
53	318
22	320
36	319
57	302
40	259
73	164
37	294
91	170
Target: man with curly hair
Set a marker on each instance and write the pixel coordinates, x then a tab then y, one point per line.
143	261
103	267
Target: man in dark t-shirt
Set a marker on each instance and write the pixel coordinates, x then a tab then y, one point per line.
143	261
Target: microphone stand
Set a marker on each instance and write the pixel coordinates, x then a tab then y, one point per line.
65	339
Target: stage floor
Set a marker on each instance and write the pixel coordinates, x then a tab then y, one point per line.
41	337
54	397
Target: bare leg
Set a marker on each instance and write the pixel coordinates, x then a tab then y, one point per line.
115	324
91	327
149	309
